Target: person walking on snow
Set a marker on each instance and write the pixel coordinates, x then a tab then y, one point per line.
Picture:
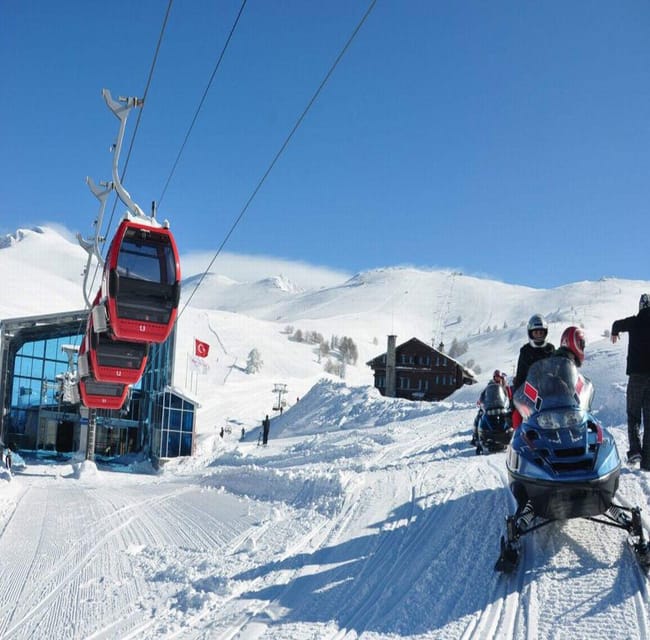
638	384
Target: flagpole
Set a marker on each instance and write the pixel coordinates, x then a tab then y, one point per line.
187	363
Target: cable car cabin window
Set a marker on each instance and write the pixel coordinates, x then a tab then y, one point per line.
146	257
106	389
146	267
138	300
120	354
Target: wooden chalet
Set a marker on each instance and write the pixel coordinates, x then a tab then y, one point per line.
416	371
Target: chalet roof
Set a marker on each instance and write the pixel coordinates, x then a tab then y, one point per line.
423	346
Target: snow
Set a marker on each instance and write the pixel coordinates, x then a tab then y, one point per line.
364	517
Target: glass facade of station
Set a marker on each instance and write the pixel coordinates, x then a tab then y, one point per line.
34	384
175	437
157	420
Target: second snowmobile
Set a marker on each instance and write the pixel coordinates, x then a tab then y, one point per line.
494	428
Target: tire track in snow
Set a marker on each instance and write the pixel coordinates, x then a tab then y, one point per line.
70	565
14	577
498	618
397	567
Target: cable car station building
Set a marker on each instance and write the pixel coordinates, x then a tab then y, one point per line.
38	414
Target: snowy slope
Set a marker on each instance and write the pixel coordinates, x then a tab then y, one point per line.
365	517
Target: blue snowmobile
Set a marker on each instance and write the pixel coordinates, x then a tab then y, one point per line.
494	428
561	462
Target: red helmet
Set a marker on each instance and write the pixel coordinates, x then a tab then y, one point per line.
573	339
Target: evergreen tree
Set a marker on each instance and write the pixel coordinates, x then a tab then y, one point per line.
254	362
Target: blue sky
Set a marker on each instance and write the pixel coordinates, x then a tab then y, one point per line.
510	139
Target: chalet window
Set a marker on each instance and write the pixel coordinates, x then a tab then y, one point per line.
426	385
402	359
381	382
404	383
426	360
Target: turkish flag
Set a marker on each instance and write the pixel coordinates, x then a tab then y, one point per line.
201	348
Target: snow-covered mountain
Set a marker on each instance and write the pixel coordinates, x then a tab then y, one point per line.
41	271
365	517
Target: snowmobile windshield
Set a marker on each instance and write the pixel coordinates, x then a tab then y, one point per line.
553	383
494	397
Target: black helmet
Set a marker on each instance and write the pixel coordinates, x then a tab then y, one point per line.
537	323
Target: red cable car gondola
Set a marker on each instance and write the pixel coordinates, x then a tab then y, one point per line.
111	360
141	282
95	394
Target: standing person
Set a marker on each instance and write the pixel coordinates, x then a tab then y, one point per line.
638	384
266	426
535	349
8	459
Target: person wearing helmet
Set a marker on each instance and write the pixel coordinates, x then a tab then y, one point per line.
535	349
638	383
497	378
572	345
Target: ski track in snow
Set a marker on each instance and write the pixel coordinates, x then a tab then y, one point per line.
398	539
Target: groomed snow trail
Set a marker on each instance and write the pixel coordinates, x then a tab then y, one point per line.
382	532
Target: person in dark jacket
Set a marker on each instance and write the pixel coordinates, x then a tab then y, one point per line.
535	349
266	427
638	384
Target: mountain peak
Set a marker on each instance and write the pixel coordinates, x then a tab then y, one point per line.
281	283
11	239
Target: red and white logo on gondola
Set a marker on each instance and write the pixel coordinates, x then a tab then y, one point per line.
201	349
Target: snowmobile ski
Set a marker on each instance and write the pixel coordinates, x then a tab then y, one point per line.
641	553
509	557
